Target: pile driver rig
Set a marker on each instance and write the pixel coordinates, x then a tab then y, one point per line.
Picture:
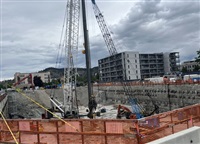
69	107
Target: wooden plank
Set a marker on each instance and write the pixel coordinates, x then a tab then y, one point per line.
70	139
24	126
72	126
114	127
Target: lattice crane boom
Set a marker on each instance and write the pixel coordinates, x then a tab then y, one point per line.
71	48
104	29
138	109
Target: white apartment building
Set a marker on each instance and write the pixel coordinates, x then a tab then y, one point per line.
189	65
130	65
122	66
171	62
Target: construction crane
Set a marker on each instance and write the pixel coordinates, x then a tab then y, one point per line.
69	108
136	107
71	48
104	29
112	51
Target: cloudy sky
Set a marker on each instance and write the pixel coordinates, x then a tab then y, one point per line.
30	30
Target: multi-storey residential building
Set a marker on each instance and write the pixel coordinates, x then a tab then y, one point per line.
189	65
171	62
45	77
151	65
133	66
122	66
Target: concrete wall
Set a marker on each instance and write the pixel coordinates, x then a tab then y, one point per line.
188	136
178	95
4	106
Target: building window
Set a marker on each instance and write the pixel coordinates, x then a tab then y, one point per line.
135	61
128	66
136	71
137	77
129	77
135	66
135	55
128	72
127	55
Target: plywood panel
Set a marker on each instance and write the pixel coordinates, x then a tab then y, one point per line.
28	138
70	139
48	138
47	126
93	126
24	126
94	139
114	127
72	126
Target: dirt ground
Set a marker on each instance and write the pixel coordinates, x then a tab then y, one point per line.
22	107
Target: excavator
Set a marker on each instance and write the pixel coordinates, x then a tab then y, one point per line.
137	112
123	111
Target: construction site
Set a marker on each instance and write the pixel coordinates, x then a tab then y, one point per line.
116	110
28	126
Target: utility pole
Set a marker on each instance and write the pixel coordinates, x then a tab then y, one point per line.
91	100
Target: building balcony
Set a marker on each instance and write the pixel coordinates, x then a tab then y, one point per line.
144	67
159	57
152	62
145	72
144	58
152	56
159	62
153	67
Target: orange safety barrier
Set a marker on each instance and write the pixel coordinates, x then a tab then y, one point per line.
96	131
101	131
161	125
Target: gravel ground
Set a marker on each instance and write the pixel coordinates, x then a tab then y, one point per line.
20	106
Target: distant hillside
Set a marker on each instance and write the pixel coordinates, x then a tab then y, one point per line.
59	72
6	84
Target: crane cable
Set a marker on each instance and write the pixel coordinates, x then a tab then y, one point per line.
60	49
9	128
19	91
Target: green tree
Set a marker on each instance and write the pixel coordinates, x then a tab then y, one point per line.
37	81
196	68
82	79
95	78
197	59
184	70
2	87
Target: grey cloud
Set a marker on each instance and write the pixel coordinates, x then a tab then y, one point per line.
161	26
31	32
